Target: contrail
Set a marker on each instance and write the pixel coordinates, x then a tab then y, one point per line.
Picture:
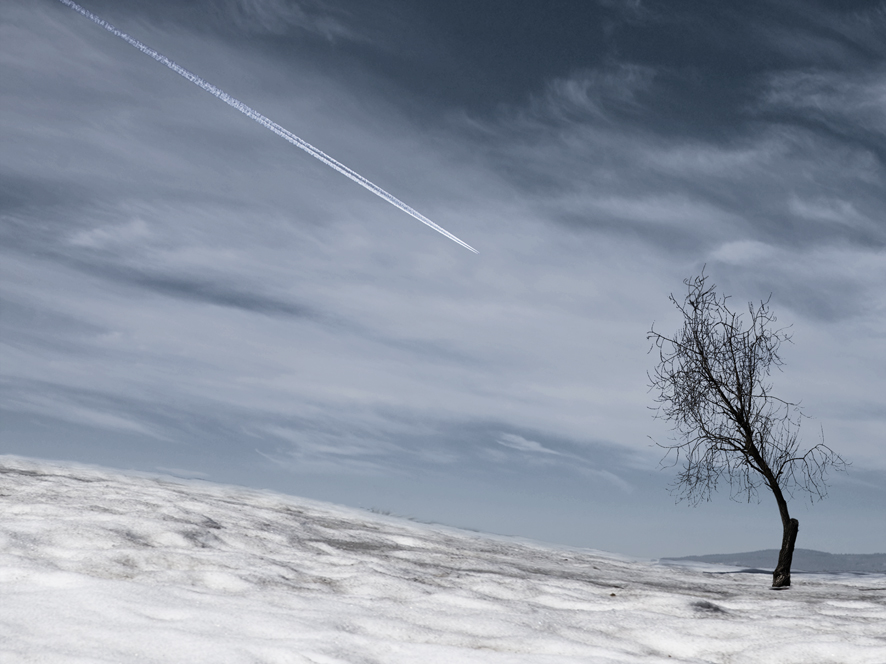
265	122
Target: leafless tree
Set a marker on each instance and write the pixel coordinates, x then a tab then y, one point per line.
713	385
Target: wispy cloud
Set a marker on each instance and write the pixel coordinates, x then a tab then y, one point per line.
582	465
743	252
831	211
519	443
279	16
596	94
80	408
113	237
843	101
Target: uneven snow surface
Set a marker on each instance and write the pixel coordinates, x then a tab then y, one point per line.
97	566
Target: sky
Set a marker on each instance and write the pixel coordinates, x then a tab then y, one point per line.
183	292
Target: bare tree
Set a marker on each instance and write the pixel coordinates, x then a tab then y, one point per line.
713	385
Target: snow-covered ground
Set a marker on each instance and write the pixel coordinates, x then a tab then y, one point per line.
97	566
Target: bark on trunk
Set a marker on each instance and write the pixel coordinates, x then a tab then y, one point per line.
781	577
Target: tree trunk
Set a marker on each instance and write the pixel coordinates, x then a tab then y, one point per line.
781	577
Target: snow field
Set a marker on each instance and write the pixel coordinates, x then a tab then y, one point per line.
97	566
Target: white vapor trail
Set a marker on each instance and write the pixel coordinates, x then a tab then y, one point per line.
265	122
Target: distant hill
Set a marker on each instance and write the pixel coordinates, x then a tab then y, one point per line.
805	560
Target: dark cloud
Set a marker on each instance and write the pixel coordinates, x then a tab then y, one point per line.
22	194
205	291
